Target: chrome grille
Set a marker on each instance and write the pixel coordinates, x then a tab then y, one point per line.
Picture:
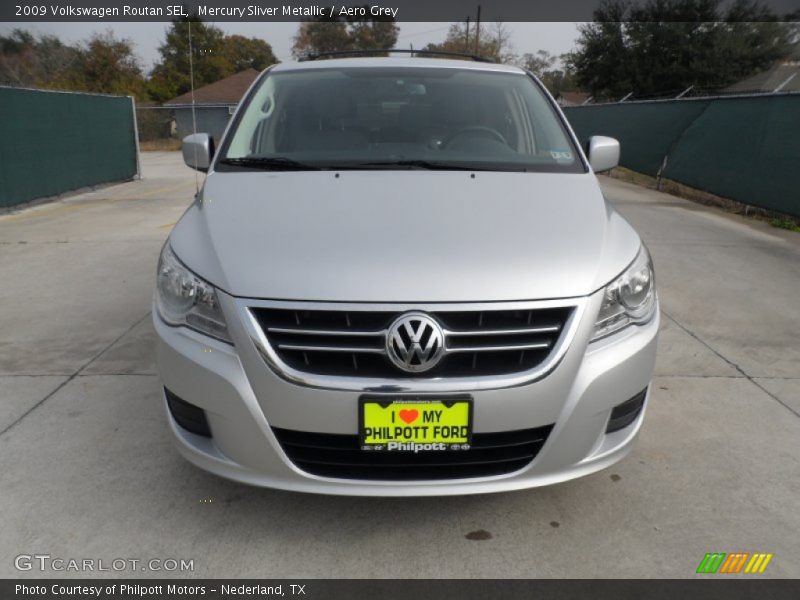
352	343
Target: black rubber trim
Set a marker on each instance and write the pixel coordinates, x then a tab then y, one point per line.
188	416
624	414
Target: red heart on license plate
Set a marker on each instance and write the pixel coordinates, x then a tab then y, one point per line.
409	416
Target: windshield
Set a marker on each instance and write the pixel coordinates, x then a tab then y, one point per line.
382	118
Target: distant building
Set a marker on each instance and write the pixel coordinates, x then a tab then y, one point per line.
784	77
214	104
573	98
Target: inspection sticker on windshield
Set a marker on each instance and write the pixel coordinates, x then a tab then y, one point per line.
414	425
564	155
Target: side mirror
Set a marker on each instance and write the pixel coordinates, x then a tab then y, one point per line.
603	153
198	150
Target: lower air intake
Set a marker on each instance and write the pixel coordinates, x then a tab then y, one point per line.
340	456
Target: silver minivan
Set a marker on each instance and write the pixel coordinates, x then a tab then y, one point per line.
401	278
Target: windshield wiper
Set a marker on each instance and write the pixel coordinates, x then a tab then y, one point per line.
433	165
269	163
281	163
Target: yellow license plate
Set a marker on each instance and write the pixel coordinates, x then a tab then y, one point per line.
415	425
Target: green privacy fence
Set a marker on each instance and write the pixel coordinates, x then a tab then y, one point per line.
743	148
53	142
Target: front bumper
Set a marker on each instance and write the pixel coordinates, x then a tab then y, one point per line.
243	399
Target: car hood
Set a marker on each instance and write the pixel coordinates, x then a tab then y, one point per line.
404	236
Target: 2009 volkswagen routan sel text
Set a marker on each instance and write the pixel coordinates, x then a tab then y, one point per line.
401	278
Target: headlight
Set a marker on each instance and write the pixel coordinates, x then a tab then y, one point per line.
629	299
182	298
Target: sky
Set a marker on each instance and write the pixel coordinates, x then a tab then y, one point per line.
556	38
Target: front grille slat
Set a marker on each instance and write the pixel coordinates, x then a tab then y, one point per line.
407	465
331	332
352	343
340	456
345	349
527	331
511	444
537	346
409	474
496	453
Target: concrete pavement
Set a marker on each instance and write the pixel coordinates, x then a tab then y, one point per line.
87	469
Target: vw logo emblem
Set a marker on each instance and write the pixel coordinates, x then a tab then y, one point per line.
415	342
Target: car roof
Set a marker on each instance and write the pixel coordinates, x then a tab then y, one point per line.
392	61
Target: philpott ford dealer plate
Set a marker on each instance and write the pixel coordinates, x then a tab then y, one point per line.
415	425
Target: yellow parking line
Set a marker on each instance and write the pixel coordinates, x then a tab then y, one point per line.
42	211
161	190
60	207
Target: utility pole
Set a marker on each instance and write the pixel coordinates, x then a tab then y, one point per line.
466	41
478	32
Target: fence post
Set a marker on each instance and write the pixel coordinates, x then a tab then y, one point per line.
136	138
660	173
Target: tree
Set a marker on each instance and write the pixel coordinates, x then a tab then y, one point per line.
313	37
542	64
29	61
214	57
538	63
106	64
336	35
665	46
375	33
248	53
103	64
495	42
559	80
171	76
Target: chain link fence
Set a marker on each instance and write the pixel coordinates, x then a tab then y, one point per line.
157	127
744	148
56	142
